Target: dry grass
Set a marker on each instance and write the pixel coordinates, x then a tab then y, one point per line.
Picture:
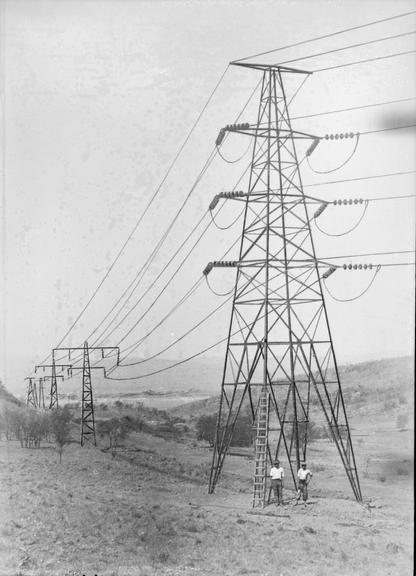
97	515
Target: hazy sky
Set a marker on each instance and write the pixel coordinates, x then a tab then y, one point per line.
97	98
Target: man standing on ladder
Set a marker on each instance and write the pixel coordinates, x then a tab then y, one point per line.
304	476
277	474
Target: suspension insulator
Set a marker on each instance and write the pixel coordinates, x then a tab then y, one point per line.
214	202
208	268
220	137
328	272
312	146
321	208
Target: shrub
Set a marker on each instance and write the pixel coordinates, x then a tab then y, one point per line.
242	435
60	423
205	428
117	429
27	425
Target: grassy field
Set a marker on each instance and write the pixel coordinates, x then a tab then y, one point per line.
146	511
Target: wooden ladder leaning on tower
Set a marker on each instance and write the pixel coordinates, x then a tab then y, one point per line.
260	449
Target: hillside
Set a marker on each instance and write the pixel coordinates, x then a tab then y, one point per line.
201	379
7	396
369	387
202	376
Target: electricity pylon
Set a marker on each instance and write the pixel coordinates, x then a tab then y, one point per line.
31	394
87	403
279	341
35	396
53	377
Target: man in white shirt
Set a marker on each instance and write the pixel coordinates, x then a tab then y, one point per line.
277	474
304	476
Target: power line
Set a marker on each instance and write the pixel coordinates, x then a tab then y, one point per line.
146	266
377	198
367	254
172	365
348	47
186	296
143	269
175	364
145	210
362	107
388	129
102	335
375	176
204	319
365	61
330	35
135	346
204	231
161	292
170	279
157	248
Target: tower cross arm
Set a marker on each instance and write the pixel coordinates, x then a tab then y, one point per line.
263	67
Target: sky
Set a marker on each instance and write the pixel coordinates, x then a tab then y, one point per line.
97	99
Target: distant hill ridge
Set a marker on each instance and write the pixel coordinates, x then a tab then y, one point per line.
203	377
381	381
6	395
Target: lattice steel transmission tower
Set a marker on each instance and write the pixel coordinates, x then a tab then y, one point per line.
53	377
31	394
279	343
87	406
87	402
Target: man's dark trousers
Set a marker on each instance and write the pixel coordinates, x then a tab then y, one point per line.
278	490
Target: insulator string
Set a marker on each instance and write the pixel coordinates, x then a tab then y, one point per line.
346	231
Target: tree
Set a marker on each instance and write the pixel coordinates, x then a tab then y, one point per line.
242	435
116	429
60	428
205	428
27	425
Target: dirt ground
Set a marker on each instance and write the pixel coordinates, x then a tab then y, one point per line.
147	512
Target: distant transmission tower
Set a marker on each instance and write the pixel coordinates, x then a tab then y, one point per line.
53	377
87	402
279	350
31	394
